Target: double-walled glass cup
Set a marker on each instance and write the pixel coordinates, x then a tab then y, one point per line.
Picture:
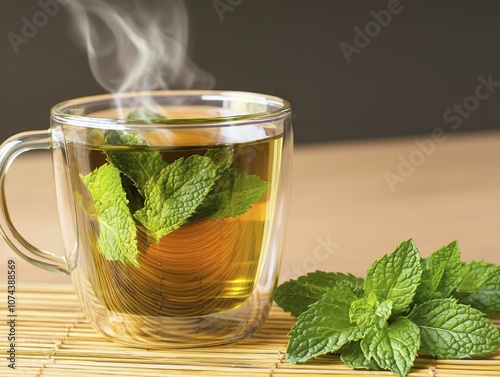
173	209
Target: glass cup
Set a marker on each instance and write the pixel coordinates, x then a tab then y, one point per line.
173	209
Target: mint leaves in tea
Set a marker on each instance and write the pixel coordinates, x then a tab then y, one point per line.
174	231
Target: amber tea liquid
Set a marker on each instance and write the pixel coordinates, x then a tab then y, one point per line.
204	267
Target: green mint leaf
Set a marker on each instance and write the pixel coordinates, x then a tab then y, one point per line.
479	286
450	330
295	296
352	282
173	196
139	166
393	347
396	276
367	311
448	255
234	192
117	138
222	158
117	231
324	327
352	355
217	198
440	274
145	115
233	195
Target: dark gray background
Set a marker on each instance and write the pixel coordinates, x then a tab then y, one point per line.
426	59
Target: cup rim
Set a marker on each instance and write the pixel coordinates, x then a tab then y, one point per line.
282	110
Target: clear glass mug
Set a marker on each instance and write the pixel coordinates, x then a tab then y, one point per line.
173	212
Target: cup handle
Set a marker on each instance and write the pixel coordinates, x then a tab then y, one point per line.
9	151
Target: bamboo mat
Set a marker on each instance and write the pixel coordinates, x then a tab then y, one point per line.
53	338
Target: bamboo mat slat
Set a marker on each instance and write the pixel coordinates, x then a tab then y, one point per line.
53	339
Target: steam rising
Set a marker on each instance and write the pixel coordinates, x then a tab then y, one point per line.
136	45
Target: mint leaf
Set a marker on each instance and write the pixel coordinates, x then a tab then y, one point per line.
173	196
479	286
449	256
246	190
233	195
440	273
367	311
295	296
324	327
139	166
145	115
393	347
396	276
352	355
222	158
117	231
450	330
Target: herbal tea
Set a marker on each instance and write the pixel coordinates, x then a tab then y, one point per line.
177	231
172	207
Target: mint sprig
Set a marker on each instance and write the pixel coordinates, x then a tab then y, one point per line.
406	304
138	183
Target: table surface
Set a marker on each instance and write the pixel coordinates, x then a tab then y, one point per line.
351	202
